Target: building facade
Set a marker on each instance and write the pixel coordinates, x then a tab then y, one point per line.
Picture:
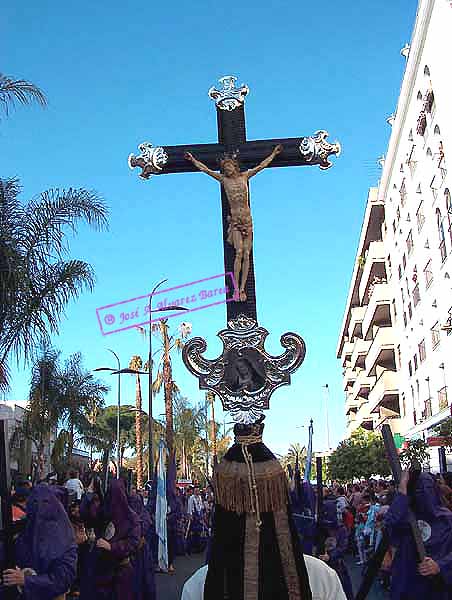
395	343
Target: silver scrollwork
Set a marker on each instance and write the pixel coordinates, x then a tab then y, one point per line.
316	149
244	376
151	160
229	97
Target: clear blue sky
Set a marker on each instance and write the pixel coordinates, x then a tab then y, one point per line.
117	75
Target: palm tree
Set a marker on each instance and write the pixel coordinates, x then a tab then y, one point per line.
37	280
44	409
188	425
79	393
165	373
136	364
296	452
18	91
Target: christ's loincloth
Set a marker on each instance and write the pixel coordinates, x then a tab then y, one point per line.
243	225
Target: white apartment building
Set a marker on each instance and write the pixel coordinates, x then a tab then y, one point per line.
395	342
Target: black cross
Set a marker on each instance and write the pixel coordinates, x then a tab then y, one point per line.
312	150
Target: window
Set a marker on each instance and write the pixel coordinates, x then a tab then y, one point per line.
435	335
403	295
411	162
402	193
404	319
394	310
403	404
409	242
420	218
416	295
441	235
422	353
399	357
428	274
400	271
410	135
398	214
434	188
429	100
415	362
426	71
389	266
448	201
410	371
404	260
421	123
394	226
437	130
442	398
410	310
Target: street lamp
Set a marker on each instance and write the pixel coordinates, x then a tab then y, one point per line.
118	372
151	427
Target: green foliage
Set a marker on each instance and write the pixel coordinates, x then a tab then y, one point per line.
416	451
18	91
37	280
363	455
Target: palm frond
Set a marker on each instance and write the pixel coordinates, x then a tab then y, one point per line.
19	91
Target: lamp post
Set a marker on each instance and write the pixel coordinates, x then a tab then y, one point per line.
119	372
151	426
118	415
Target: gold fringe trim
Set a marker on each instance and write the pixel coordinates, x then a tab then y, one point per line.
251	556
287	555
232	488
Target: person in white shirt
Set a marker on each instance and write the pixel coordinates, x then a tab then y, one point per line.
195	511
74	485
324	582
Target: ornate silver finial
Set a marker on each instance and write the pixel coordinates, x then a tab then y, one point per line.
151	160
244	376
317	149
229	97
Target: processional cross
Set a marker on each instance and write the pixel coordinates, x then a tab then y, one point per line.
245	375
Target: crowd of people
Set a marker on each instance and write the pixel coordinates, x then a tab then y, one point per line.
73	540
355	517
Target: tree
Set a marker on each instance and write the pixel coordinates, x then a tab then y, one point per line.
295	451
44	409
165	372
416	451
188	425
136	364
37	280
18	91
80	394
362	455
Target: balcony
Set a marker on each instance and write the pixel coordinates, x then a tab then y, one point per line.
364	419
359	354
347	352
385	393
373	267
349	378
356	320
361	388
381	352
378	310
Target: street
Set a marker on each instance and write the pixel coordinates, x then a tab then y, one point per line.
169	587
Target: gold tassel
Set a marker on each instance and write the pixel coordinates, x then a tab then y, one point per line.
231	481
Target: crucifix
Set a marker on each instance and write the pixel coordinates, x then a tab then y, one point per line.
237	159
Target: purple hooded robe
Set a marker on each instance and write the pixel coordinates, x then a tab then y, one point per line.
47	546
435	522
110	574
142	562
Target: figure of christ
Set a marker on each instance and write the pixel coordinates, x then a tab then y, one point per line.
240	230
